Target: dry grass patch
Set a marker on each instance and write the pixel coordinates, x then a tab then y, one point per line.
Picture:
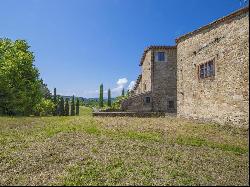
120	151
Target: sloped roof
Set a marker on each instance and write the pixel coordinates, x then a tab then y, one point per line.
137	81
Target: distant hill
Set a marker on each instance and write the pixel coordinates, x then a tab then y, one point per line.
69	97
86	99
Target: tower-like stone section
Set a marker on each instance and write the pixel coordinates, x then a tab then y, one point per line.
155	89
164	80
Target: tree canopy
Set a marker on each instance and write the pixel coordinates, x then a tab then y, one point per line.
20	87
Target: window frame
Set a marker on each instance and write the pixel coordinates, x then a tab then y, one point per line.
147	100
158	56
205	71
171	106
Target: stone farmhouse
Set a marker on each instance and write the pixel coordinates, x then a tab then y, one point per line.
205	76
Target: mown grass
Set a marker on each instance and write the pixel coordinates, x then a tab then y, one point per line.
194	141
86	150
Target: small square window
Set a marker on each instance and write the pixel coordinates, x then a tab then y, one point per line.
171	104
161	56
147	100
206	70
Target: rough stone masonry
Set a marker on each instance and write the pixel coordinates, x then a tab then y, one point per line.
205	76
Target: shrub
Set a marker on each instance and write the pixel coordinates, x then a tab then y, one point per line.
44	108
117	102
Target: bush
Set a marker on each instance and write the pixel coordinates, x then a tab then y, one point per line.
117	103
44	108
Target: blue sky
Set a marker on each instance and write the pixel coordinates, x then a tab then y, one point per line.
79	44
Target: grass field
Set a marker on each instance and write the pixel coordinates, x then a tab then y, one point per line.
86	150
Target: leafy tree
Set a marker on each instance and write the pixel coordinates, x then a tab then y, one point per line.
67	107
44	108
109	98
77	106
45	91
117	102
20	87
101	96
61	107
72	108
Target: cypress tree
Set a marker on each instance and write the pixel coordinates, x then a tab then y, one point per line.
67	107
109	98
101	96
77	107
54	100
123	92
61	107
72	108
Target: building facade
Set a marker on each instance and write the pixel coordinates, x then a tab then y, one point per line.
205	76
213	71
155	88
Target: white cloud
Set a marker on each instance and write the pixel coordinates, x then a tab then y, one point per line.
121	83
131	85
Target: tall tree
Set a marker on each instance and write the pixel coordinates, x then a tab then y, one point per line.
72	108
101	96
55	102
123	92
67	107
45	90
19	78
109	98
61	107
77	106
54	97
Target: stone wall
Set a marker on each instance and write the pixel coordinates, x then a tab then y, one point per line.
137	103
164	81
146	80
138	90
224	98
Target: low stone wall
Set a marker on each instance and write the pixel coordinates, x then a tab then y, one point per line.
130	114
136	103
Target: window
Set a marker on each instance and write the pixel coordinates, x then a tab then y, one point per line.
161	56
170	104
144	86
206	70
147	100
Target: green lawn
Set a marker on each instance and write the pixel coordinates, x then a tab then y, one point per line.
86	150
